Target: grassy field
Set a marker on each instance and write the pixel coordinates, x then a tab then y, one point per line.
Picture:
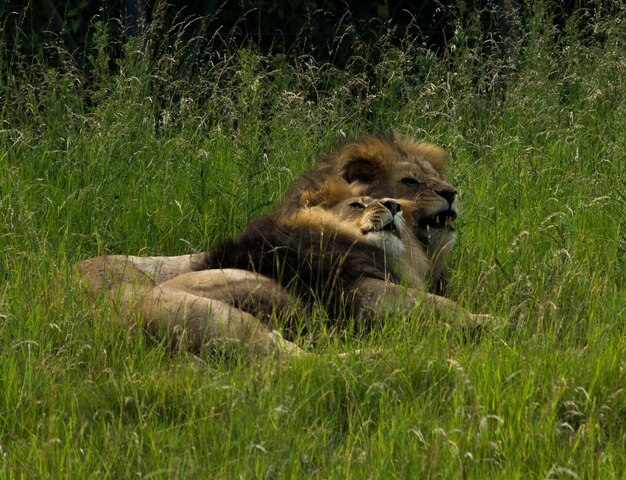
167	154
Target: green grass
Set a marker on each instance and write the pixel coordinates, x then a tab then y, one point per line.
168	155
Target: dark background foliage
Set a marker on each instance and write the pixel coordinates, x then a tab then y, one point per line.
325	29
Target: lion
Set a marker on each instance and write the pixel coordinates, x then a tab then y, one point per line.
352	254
388	165
244	298
385	164
338	236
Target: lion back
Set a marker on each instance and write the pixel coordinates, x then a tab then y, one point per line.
319	267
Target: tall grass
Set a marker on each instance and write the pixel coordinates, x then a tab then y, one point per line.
172	144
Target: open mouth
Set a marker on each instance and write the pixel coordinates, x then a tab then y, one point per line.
391	227
388	227
442	219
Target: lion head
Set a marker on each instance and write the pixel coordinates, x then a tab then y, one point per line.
384	165
384	223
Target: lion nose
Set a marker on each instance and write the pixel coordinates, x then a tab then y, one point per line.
448	193
391	205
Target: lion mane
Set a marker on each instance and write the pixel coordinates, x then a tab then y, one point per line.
364	232
385	164
322	251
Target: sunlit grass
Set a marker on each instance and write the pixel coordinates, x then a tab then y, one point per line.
159	158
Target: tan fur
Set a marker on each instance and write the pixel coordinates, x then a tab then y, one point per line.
187	304
124	278
329	207
387	165
221	307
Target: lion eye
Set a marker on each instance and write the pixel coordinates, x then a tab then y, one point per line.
411	182
357	205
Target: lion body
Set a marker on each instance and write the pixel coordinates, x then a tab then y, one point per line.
322	251
314	247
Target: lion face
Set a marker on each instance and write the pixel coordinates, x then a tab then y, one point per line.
380	221
436	203
384	166
385	223
387	166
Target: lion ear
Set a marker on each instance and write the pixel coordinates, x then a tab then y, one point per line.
328	194
360	169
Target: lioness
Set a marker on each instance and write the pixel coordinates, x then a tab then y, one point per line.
341	249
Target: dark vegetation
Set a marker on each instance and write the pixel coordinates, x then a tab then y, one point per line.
325	29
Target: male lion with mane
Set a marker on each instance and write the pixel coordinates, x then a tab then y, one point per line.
387	165
344	251
226	297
